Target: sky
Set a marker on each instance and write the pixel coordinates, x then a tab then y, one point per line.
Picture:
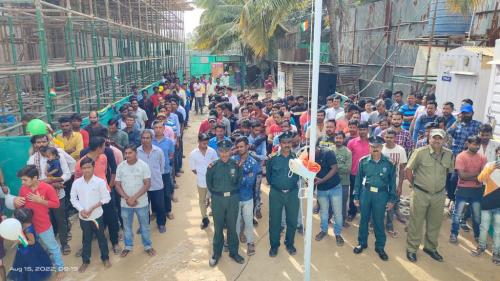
192	19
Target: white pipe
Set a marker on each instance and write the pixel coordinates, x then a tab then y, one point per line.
318	7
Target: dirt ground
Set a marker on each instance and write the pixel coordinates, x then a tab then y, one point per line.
183	251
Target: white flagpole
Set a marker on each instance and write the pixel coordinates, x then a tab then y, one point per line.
318	8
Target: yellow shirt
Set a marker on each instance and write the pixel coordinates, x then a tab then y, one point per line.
484	177
75	141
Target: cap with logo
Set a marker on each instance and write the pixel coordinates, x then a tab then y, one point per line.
224	145
376	140
437	132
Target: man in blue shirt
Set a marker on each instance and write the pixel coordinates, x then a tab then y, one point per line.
408	110
219	136
251	168
429	116
447	111
134	135
257	140
168	148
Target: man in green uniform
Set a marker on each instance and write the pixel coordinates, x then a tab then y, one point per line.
284	193
374	192
426	171
223	180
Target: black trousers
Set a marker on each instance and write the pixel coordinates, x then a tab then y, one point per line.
116	200
89	228
352	209
168	192
59	220
157	201
110	219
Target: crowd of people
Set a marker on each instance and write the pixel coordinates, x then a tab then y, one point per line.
106	172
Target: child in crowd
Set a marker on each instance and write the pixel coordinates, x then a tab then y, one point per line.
54	169
31	263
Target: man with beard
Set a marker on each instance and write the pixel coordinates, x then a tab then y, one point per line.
94	128
488	145
250	168
447	111
469	165
328	140
402	136
374	193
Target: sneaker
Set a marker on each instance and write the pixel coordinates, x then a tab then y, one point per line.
162	229
250	249
453	239
300	229
204	223
478	251
320	236
340	240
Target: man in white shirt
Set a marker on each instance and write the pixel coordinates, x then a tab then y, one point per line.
68	168
133	179
232	98
199	159
397	155
88	194
141	115
488	145
198	96
333	103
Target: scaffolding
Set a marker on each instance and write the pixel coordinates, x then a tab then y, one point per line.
63	56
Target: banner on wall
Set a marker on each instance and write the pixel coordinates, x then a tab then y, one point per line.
281	84
217	69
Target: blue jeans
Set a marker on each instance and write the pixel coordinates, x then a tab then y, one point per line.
487	216
475	206
49	240
128	219
331	198
246	213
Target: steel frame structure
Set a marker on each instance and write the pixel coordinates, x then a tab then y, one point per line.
90	52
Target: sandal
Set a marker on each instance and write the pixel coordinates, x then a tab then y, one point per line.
151	252
393	233
124	253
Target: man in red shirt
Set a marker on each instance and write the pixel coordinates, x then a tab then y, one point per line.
155	96
359	147
40	197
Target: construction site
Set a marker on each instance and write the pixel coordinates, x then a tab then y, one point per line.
63	56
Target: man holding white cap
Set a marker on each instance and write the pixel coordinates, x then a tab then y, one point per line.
426	171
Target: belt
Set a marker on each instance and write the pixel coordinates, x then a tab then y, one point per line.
373	188
284	190
426	191
225	194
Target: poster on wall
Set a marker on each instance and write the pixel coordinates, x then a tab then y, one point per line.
281	84
217	69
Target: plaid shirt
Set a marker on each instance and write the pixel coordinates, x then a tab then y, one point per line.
404	139
460	133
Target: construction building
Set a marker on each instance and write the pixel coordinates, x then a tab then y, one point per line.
63	56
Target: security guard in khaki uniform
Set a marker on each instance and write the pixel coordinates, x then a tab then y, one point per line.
284	193
374	193
223	180
427	170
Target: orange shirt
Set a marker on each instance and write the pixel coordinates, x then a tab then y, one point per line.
484	177
100	167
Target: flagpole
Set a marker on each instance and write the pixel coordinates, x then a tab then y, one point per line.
318	8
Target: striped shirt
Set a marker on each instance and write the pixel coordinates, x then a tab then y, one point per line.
407	111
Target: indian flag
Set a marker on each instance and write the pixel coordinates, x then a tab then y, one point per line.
304	26
52	92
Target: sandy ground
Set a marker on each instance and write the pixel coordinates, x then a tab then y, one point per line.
184	250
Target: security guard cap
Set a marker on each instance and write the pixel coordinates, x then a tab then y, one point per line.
376	140
224	145
286	136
